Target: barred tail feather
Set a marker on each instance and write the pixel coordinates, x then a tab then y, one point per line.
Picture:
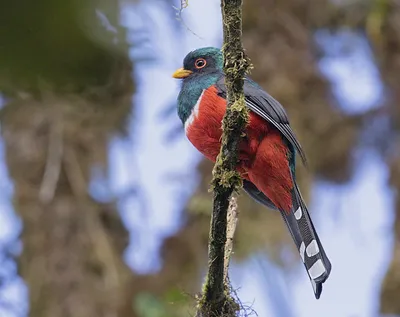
302	230
308	243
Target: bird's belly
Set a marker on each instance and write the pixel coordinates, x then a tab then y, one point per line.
205	134
204	128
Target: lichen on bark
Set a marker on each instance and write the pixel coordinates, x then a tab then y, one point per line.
216	299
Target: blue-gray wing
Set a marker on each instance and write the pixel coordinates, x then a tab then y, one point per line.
257	194
263	104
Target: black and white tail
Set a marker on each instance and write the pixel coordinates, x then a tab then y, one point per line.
304	236
307	241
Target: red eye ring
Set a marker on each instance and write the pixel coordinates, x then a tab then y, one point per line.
200	63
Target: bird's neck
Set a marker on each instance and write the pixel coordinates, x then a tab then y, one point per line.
192	87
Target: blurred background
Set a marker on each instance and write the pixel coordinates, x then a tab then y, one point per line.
104	205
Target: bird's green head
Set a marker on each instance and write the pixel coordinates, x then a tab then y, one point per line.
199	62
201	69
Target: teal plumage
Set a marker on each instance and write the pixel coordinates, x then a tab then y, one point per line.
193	86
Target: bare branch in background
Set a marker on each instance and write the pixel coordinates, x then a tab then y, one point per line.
232	217
53	160
184	5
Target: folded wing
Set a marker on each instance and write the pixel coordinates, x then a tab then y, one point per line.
263	104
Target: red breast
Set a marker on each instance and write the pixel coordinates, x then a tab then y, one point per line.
263	154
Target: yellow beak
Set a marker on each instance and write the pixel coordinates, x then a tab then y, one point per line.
181	73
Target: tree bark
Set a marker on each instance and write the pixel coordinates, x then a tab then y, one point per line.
216	300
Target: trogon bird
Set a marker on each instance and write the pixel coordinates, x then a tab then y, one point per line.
266	154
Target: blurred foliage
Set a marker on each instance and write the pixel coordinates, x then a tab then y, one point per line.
173	303
58	43
67	78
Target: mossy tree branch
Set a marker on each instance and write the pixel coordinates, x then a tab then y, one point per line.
216	300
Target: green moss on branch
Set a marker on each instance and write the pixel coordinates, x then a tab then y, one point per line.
216	300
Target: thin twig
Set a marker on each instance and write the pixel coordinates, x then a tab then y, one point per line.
233	213
54	159
74	173
179	11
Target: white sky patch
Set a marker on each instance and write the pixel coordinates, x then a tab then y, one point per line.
8	219
13	292
349	66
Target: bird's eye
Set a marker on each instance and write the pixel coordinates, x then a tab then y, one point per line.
200	63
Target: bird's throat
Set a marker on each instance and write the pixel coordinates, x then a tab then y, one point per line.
192	88
194	112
